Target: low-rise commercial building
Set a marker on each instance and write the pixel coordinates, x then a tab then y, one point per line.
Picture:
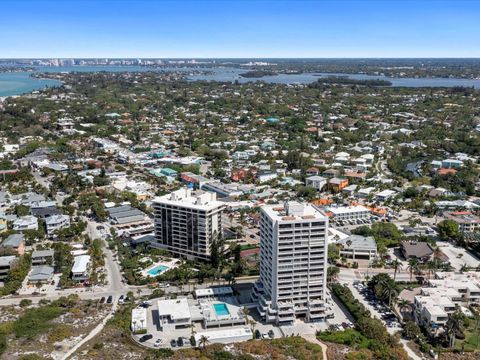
357	212
357	247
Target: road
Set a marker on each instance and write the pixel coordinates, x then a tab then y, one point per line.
95	331
114	274
351	275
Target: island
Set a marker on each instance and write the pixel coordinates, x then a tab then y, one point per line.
258	73
345	80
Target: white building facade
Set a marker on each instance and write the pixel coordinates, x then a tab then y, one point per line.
293	263
186	223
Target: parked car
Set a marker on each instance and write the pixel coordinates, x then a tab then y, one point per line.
102	300
258	335
110	299
271	334
158	343
145	338
180	341
173	343
121	299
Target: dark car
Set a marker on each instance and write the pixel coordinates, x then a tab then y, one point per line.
173	343
110	299
180	341
258	335
102	300
145	338
271	334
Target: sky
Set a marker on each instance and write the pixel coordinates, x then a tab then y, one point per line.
239	28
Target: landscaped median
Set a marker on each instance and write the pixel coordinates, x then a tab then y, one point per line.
370	339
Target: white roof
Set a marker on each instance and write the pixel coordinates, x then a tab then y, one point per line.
225	334
293	211
339	210
80	264
185	198
139	315
385	193
174	308
215	291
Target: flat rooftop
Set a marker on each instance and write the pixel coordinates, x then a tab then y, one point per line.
293	211
187	198
340	210
174	308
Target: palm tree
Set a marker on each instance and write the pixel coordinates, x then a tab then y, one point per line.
431	266
397	266
412	266
203	341
464	268
389	290
404	304
454	324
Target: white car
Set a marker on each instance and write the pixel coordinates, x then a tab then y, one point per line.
157	343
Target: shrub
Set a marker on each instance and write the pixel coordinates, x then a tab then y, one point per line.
25	303
35	321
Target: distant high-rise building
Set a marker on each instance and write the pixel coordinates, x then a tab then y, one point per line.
293	263
186	222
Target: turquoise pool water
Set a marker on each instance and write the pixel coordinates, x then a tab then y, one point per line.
157	270
221	309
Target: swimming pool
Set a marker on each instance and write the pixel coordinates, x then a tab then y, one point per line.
157	270
221	309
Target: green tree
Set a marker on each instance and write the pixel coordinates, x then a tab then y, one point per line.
448	230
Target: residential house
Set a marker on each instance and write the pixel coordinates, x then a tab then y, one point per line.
56	222
15	242
317	182
41	274
27	222
6	263
42	257
81	268
337	184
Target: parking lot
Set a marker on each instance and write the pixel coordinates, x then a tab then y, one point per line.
353	223
376	307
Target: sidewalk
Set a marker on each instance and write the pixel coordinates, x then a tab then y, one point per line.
313	339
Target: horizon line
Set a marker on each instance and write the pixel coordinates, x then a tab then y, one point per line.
236	58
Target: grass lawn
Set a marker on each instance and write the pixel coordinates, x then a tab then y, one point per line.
471	342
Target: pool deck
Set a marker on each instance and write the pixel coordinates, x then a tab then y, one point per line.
169	264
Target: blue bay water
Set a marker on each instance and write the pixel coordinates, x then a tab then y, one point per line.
21	82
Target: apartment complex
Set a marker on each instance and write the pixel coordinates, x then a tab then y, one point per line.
187	222
293	263
466	221
444	294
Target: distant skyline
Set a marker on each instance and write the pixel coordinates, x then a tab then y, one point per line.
239	29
